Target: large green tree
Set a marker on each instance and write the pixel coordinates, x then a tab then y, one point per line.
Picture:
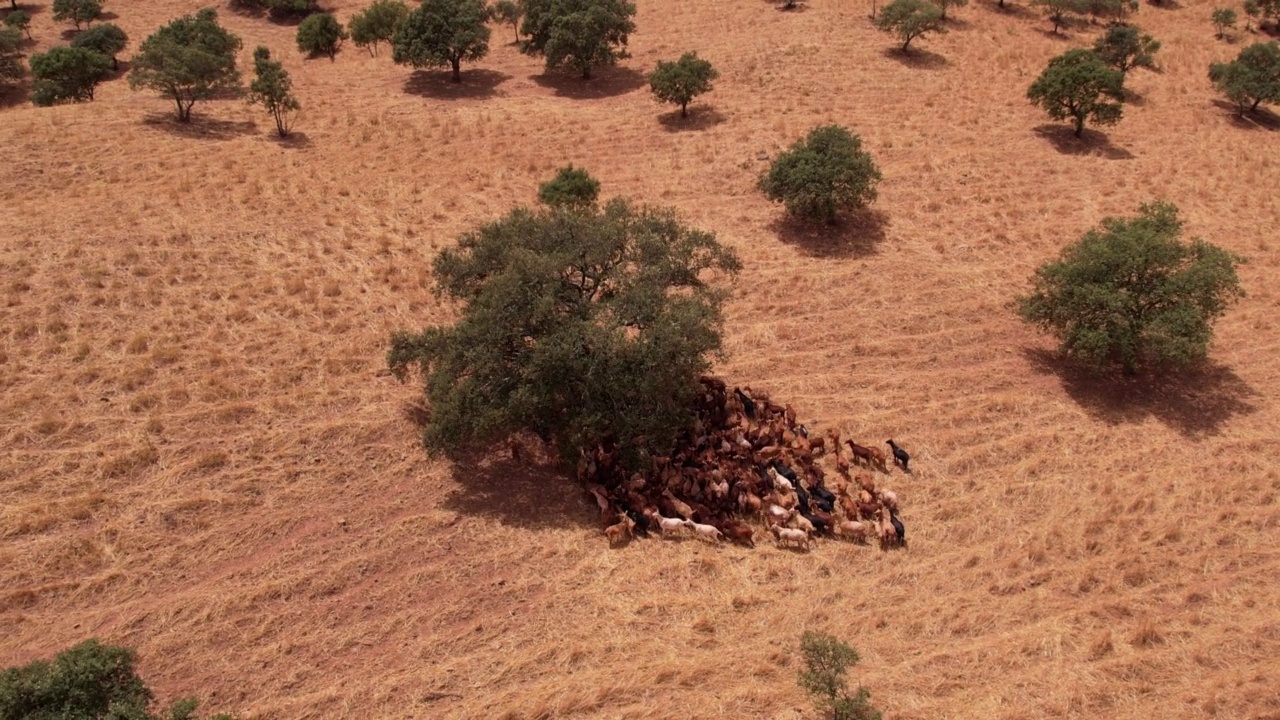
104	38
1131	293
822	174
1252	78
377	24
910	19
11	67
581	34
272	88
443	33
1124	47
583	325
77	11
192	58
1079	85
321	34
67	73
681	81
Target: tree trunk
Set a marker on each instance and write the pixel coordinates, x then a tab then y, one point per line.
457	70
905	44
1254	106
516	27
683	112
1079	126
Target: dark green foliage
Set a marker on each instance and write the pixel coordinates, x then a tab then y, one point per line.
1130	293
77	11
377	24
1113	9
823	174
1224	19
1251	10
1079	85
1266	9
11	67
272	89
580	34
321	34
580	325
945	5
508	12
1124	47
826	661
1062	12
571	188
681	81
104	39
909	19
281	8
1252	78
192	58
20	21
67	73
443	33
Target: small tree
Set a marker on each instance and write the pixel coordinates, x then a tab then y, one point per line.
571	188
20	21
273	90
581	34
1252	11
1077	85
826	661
1130	293
377	23
443	33
1251	79
823	174
104	39
321	34
1123	47
77	11
681	81
948	4
1113	9
1224	19
508	12
11	67
1062	12
67	73
910	19
192	58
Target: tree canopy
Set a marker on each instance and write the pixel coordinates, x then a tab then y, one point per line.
1079	85
19	20
67	73
1131	293
11	67
1124	47
377	24
581	34
572	188
822	174
77	11
910	19
1223	19
105	38
1062	12
581	325
681	81
192	58
321	34
1252	78
508	12
272	88
443	33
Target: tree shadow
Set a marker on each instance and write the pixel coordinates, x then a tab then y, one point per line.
916	58
202	128
608	82
1260	119
857	234
1012	9
795	7
477	84
1135	98
1195	402
1165	4
15	94
1059	36
699	119
955	23
524	494
1091	142
107	16
293	141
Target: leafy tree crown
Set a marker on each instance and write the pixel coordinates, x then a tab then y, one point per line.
77	11
377	23
571	188
1252	78
910	19
822	174
11	65
443	33
321	34
67	73
826	661
19	20
1124	47
272	88
681	81
581	34
192	58
1080	86
105	38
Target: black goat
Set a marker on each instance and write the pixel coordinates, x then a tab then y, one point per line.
748	405
898	528
899	454
786	472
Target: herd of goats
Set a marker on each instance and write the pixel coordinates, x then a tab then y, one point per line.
746	458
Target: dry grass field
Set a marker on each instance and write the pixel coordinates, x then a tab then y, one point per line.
201	458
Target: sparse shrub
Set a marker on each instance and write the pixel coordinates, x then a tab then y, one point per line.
272	88
681	81
1224	19
192	58
1131	293
571	188
1251	79
581	34
11	67
443	33
1062	12
826	661
67	73
20	21
1124	47
1252	10
508	12
105	39
1079	85
321	34
823	174
910	19
576	325
1265	9
945	5
377	24
77	11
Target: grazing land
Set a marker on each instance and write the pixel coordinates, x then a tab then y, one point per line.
204	459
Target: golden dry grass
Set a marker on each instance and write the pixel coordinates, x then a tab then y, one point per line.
203	461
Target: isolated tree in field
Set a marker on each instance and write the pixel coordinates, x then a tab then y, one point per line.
192	58
11	67
1124	47
1251	79
77	11
826	661
577	325
105	39
945	5
581	34
508	12
1132	294
20	21
1062	12
67	73
681	81
1079	85
377	24
272	88
572	189
321	34
910	19
823	174
443	33
1224	19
